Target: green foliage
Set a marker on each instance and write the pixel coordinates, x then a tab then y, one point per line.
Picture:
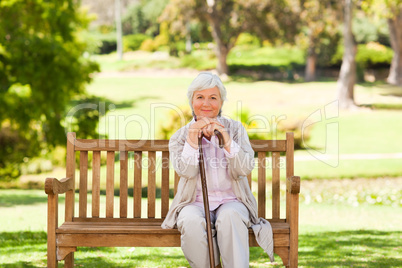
369	55
148	45
246	39
367	30
175	122
41	70
133	41
142	17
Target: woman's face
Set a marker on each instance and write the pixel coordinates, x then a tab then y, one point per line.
207	102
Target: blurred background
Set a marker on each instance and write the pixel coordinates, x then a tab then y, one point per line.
330	71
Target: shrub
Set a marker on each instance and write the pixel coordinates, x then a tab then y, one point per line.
176	120
248	40
148	45
370	55
133	41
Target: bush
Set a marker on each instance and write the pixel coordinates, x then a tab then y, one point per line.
133	41
148	45
370	55
248	40
176	120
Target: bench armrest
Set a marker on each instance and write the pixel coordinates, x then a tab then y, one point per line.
293	185
54	186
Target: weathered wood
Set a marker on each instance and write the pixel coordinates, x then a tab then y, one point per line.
165	184
70	173
54	186
176	182
62	252
52	225
96	231
261	184
289	166
96	158
137	184
122	145
276	198
123	183
110	184
151	184
268	145
83	184
293	185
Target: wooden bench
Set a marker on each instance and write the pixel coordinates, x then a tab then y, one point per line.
99	224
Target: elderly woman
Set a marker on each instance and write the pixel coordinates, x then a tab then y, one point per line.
233	208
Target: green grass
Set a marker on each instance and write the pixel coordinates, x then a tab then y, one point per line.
331	235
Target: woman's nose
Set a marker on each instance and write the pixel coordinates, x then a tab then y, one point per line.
205	102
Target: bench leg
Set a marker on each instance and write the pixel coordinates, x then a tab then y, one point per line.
69	260
51	231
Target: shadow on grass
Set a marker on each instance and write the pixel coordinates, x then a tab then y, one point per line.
360	248
17	198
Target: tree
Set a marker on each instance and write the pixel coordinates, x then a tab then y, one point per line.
228	18
319	33
392	11
347	75
42	69
395	33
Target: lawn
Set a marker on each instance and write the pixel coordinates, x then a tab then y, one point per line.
331	235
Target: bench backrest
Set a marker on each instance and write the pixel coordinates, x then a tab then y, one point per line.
145	163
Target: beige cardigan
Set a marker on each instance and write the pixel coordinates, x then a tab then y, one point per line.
239	167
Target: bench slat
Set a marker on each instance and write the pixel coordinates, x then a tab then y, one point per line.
151	184
157	239
96	183
123	183
176	182
121	145
165	184
261	184
129	227
83	184
289	167
275	185
109	184
162	145
137	183
268	145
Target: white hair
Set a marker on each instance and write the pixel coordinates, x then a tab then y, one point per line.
205	80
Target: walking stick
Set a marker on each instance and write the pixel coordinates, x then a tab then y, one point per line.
205	195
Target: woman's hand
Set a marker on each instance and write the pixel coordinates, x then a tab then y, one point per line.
207	126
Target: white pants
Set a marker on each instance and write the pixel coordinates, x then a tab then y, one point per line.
230	235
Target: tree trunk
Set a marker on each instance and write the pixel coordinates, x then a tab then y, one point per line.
119	33
222	48
310	66
395	34
347	75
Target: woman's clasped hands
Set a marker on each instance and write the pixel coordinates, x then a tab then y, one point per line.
207	126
